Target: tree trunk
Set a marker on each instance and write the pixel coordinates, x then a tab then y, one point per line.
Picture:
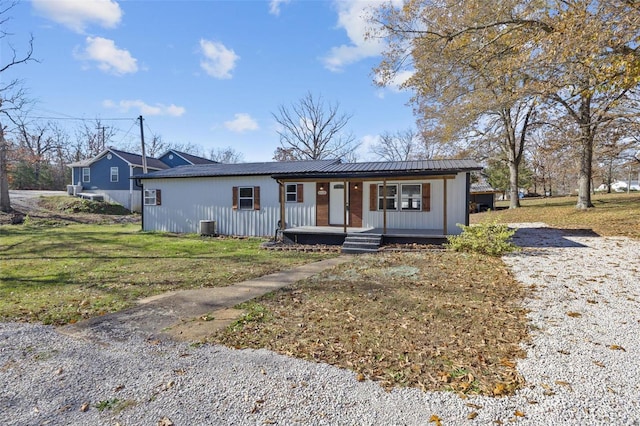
514	199
584	176
586	155
5	203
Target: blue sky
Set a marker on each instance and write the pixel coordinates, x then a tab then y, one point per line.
207	72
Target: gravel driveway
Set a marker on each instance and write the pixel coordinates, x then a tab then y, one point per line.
581	366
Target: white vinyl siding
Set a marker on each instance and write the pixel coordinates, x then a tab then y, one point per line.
187	201
416	219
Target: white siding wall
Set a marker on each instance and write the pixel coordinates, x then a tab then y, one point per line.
187	201
124	197
302	214
434	219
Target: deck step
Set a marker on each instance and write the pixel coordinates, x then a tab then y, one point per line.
361	243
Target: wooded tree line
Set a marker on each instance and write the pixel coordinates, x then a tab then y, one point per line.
38	152
551	81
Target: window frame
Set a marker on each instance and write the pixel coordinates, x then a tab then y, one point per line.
293	193
86	174
117	174
241	198
417	198
382	197
147	198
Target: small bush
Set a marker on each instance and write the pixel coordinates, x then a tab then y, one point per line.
493	239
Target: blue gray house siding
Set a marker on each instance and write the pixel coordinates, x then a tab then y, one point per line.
100	177
173	160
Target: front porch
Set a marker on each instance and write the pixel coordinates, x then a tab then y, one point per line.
335	235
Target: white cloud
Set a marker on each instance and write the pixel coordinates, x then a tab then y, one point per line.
274	6
218	61
78	14
108	56
368	141
353	17
241	122
144	108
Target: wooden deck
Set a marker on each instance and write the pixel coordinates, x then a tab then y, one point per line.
335	235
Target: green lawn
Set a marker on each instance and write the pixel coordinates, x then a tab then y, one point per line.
613	214
62	274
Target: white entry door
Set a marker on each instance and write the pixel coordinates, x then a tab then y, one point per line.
336	203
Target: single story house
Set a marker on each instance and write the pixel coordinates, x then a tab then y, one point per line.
300	198
108	175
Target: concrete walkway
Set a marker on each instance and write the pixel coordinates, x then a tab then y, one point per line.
189	315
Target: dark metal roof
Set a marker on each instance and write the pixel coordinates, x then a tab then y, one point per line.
479	187
193	159
241	169
132	159
389	169
136	159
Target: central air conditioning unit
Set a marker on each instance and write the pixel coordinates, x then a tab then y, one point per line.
208	228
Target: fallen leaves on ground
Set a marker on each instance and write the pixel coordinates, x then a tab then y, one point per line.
431	320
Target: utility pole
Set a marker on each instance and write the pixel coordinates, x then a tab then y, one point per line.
144	156
103	128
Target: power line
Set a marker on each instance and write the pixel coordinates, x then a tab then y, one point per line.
81	119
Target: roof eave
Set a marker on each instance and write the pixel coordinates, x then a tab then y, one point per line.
371	175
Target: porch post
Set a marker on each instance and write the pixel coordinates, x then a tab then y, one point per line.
384	206
344	207
444	206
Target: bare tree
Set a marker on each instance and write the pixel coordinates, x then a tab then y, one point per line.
312	129
12	99
399	146
92	138
226	155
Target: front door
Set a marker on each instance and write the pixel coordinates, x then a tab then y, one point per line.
336	203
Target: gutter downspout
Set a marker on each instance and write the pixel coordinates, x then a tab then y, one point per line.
282	206
384	206
131	188
344	207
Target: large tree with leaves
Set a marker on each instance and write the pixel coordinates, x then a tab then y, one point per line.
313	129
12	97
475	56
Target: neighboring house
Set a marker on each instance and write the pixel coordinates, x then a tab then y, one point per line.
620	186
483	197
109	174
173	158
256	199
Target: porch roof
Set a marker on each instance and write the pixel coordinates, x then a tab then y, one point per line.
384	169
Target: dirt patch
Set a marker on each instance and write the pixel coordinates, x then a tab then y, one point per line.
197	329
37	207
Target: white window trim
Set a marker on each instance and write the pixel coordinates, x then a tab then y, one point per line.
380	197
117	174
252	198
148	197
86	177
294	193
419	197
399	198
